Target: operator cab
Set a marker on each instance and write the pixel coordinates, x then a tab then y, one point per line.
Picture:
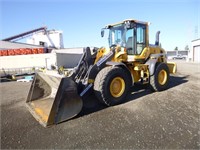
130	35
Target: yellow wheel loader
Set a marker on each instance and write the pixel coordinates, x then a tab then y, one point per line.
108	72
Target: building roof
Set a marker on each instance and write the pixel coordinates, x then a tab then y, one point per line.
13	45
195	40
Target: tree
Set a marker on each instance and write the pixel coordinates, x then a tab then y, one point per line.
186	47
176	48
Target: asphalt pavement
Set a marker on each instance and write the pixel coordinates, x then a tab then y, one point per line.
146	120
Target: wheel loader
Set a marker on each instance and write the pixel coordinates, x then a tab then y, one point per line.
108	72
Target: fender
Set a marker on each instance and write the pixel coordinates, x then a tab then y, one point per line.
151	62
111	63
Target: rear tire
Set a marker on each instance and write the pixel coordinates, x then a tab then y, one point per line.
112	85
160	80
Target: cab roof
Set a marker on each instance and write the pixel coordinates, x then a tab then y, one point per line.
131	20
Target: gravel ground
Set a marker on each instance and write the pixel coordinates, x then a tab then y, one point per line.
147	120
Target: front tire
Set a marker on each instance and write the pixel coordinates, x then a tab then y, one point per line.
112	85
160	80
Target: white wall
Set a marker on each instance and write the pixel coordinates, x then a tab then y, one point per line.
21	61
68	58
194	44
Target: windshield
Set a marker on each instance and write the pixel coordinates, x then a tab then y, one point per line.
132	38
117	35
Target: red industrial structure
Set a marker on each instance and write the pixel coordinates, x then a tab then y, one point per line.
21	51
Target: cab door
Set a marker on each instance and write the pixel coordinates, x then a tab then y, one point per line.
136	39
140	38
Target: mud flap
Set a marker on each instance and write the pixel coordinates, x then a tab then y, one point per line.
53	99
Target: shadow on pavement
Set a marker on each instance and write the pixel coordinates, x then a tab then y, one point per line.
175	81
92	105
143	90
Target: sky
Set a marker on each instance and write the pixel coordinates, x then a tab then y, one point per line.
81	20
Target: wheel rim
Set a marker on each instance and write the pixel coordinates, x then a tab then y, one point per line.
162	77
117	87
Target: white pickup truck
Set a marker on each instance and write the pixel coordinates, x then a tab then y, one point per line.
179	56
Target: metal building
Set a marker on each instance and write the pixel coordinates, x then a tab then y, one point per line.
47	38
195	51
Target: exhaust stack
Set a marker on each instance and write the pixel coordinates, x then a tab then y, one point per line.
157	38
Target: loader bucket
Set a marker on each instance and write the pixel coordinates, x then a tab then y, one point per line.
53	99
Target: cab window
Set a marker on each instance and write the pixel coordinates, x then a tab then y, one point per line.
130	42
141	38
